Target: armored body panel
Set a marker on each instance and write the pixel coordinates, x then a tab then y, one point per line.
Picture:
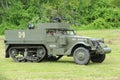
51	41
24	36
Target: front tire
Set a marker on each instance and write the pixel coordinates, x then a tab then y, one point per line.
81	56
98	58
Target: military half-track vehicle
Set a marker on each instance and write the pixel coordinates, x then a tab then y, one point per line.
51	41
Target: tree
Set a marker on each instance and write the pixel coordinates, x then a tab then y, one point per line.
89	14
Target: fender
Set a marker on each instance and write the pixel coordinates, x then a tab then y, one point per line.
82	44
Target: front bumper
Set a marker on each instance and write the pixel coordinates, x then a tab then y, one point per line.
103	49
106	50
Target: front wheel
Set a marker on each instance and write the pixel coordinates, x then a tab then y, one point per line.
98	58
81	56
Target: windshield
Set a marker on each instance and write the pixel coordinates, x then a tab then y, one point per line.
66	32
60	32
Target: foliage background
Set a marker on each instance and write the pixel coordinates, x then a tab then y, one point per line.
85	14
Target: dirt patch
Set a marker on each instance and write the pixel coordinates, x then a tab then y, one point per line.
1	39
113	41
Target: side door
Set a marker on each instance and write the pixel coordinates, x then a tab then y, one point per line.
53	41
51	36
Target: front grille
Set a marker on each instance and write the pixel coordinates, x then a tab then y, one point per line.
95	43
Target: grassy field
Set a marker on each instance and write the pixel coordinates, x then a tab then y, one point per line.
65	68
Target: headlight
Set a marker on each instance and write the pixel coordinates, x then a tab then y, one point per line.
102	44
101	40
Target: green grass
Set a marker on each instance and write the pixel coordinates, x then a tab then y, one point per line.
65	68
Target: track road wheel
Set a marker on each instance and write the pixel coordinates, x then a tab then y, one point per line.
16	56
81	56
41	53
98	58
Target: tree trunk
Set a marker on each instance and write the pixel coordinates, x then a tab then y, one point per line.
6	2
2	3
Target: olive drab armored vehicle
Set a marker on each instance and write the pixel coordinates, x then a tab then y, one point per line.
51	41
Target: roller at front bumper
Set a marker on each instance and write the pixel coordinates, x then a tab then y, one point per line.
103	49
106	50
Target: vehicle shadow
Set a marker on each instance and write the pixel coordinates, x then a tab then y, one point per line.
62	62
71	62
